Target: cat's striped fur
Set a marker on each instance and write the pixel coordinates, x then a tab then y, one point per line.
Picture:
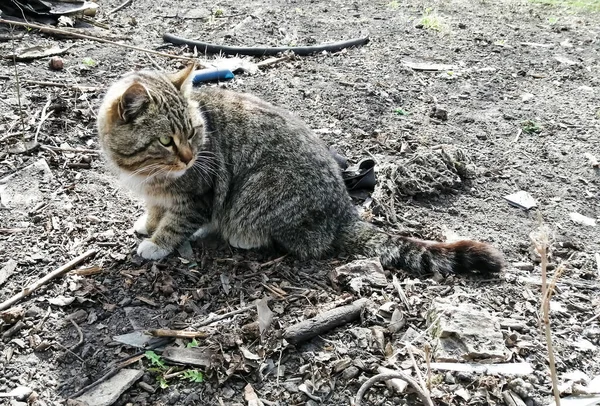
250	172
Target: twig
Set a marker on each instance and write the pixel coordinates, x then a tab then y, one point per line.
92	38
68	149
108	375
71	348
326	321
392	375
401	293
273	61
225	315
272	262
17	80
41	282
43	118
541	242
588	321
177	333
428	362
415	365
122	6
207	48
597	256
56	84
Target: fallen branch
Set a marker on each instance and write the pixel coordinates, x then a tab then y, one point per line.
90	37
207	48
177	333
122	6
326	321
211	320
43	118
541	243
41	282
392	375
55	84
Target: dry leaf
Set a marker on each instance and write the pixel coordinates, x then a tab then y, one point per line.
265	315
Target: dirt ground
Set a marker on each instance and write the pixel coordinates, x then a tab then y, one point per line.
523	103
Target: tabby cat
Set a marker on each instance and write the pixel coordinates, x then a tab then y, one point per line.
212	161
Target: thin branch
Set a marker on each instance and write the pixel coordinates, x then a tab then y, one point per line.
41	282
92	38
122	6
208	48
43	118
392	375
12	38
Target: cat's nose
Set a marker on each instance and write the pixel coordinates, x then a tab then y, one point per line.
186	155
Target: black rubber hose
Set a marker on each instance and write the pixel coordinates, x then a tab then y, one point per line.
204	47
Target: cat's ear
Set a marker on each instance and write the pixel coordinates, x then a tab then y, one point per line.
180	78
132	101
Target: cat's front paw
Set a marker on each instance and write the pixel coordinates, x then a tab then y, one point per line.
141	225
148	250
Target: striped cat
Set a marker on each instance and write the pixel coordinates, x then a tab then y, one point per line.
212	161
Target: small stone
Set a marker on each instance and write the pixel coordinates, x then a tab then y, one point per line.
147	387
107	393
582	220
55	63
525	97
350	372
449	378
174	396
465	332
440	113
523	266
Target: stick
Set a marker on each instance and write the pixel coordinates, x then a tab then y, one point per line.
177	333
208	48
224	316
92	38
55	84
392	375
307	329
41	282
67	149
122	6
43	118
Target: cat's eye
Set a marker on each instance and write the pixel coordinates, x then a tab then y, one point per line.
165	140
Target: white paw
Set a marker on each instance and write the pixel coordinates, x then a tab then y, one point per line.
202	232
148	250
140	225
243	244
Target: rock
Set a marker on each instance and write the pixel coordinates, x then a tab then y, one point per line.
360	272
465	332
440	113
147	387
525	97
564	60
582	220
196	356
449	378
174	396
107	393
523	266
22	189
350	372
7	270
521	199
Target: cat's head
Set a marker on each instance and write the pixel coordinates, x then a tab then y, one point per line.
148	126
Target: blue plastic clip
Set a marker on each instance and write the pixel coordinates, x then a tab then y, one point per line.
210	75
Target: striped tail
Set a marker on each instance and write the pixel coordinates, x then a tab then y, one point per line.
421	256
